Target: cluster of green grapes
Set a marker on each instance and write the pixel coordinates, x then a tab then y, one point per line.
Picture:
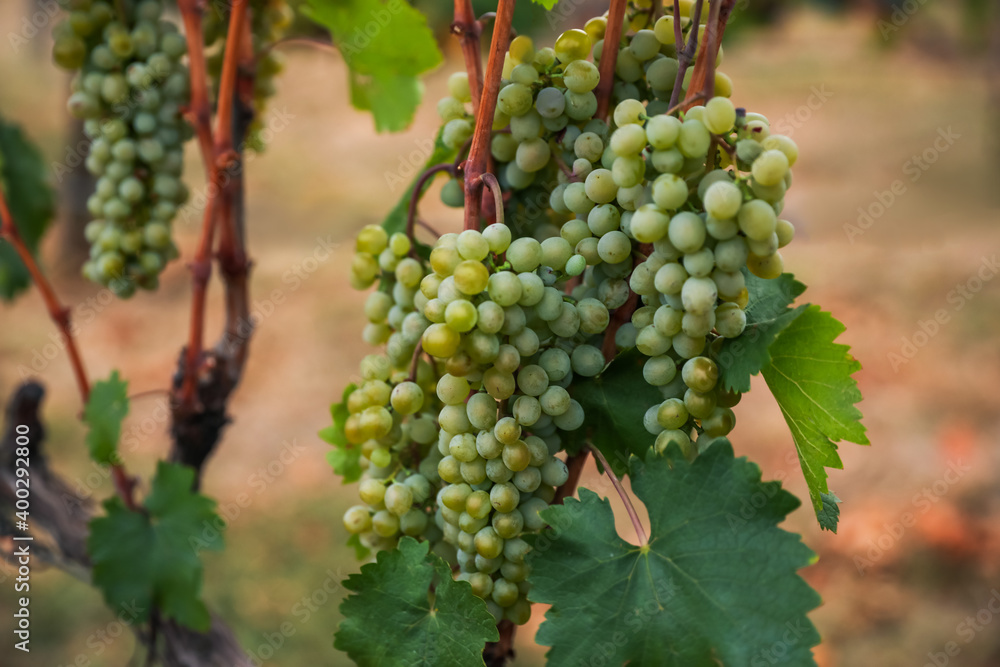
652	218
130	88
269	19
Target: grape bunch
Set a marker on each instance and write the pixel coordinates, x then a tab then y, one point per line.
269	19
130	86
652	222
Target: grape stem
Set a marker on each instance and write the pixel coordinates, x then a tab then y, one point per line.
640	532
703	77
609	56
479	152
490	181
685	52
418	191
60	315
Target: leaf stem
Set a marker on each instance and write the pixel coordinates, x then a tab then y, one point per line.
629	507
418	191
609	56
490	181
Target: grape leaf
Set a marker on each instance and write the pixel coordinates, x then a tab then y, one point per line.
106	407
715	585
615	402
548	4
810	377
829	516
30	199
386	45
361	552
395	221
768	313
344	457
392	621
147	559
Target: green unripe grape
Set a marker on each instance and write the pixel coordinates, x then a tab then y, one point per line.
505	593
628	139
413	523
581	76
529	511
533	154
667	320
514	99
700	374
357	520
672	414
748	150
614	247
699	405
371	491
407	398
398	499
699	263
497	471
719	115
516	456
650	223
589	146
456	132
720	423
770	167
662	132
526	410
454	496
785	231
659	371
453	193
572	45
722	200
682	439
757	219
687	346
550	102
498	237
730	320
629	112
441	341
385	523
69	52
686	232
580	106
694	139
449	108
628	171
784	144
504	496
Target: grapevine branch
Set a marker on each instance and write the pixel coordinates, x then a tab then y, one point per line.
60	315
468	30
609	56
479	152
703	77
685	52
217	162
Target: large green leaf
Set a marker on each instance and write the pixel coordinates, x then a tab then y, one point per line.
810	377
716	584
394	619
386	45
615	402
30	199
768	313
142	559
106	407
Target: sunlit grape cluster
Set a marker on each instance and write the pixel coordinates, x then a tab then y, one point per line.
130	88
652	222
269	19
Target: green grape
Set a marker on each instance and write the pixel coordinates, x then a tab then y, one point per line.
720	115
550	102
581	76
770	167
